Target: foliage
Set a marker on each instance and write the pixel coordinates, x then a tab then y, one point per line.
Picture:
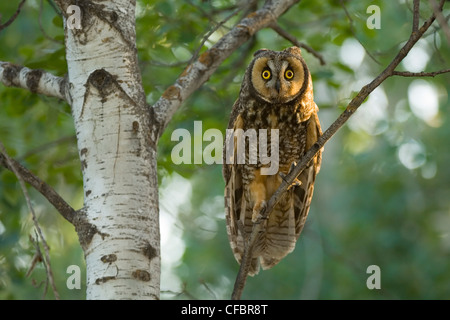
381	197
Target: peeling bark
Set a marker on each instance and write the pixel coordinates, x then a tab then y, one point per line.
118	227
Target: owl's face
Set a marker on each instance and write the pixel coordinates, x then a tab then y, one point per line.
278	76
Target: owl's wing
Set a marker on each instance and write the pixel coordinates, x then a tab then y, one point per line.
304	192
233	189
316	130
226	168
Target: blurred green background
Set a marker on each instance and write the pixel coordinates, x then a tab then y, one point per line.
382	197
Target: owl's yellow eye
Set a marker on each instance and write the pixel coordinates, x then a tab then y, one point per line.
266	74
289	74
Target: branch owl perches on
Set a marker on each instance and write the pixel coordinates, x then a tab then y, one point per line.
276	94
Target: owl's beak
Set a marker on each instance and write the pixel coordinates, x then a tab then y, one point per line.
278	85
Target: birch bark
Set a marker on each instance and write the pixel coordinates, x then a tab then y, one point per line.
118	226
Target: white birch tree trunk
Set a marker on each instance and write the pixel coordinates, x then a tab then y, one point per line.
119	227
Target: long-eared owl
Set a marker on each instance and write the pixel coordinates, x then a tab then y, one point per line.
276	95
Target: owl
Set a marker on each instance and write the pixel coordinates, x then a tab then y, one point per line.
276	94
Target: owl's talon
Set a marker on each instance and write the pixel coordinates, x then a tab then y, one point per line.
257	209
295	183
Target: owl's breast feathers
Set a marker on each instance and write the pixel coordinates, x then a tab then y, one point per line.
248	190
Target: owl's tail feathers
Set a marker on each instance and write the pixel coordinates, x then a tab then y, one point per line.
254	264
260	261
267	263
254	267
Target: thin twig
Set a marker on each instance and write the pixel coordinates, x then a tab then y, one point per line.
41	7
14	16
209	15
38	258
441	19
354	104
197	51
352	30
48	192
55	7
46	146
168	64
203	282
37	255
419	74
48	268
415	25
276	27
239	62
435	46
209	33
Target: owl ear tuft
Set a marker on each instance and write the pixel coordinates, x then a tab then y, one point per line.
294	51
260	51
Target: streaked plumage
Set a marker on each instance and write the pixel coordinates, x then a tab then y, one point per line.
279	99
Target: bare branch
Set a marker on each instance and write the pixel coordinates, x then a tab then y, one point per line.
199	71
48	268
239	63
48	145
352	30
441	19
213	295
36	81
415	25
41	7
38	257
276	27
419	74
354	104
210	16
197	51
11	20
209	33
48	192
168	64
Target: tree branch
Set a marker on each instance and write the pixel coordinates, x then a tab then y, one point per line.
415	24
209	33
36	81
199	71
354	104
202	43
48	192
14	16
41	9
440	18
276	27
239	63
419	74
48	268
352	30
